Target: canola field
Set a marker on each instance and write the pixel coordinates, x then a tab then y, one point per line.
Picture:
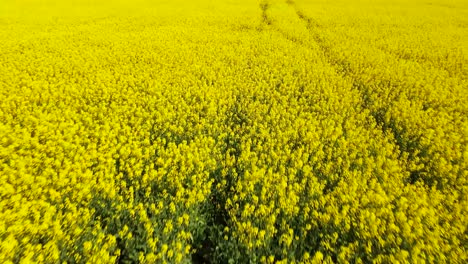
233	131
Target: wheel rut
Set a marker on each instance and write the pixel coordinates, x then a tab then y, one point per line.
408	146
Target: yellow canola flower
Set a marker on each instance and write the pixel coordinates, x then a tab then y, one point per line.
270	131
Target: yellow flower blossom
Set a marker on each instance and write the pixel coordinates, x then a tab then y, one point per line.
236	131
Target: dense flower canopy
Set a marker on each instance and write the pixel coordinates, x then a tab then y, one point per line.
268	131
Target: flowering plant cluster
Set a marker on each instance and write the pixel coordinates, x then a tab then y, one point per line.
271	131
